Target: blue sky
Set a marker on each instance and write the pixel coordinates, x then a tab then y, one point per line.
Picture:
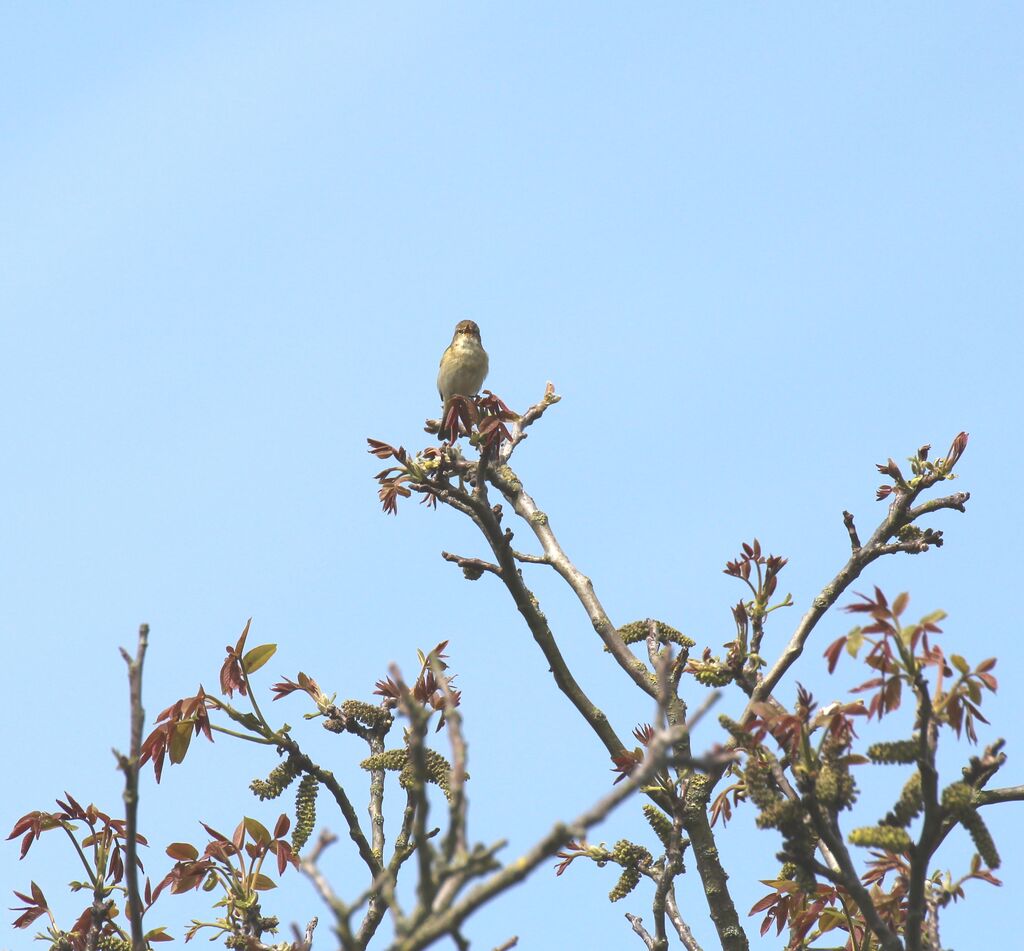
758	249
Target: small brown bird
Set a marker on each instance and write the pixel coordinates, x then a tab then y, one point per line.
463	364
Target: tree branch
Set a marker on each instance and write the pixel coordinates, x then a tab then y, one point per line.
638	926
506	481
472	568
988	797
900	515
130	767
682	928
479	510
444	923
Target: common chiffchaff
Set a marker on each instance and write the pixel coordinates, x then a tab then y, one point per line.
463	364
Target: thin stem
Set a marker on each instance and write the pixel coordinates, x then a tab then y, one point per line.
264	741
81	855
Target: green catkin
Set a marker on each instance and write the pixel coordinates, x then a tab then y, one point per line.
637	631
305	811
628	880
981	837
908	805
438	769
389	759
659	822
897	751
277	782
632	858
367	714
957	797
890	838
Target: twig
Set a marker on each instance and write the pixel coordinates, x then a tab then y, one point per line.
531	559
929	837
377	903
444	923
472	568
455	840
426	886
900	514
528	418
479	510
328	779
130	767
310	867
1007	794
847	876
638	926
305	943
851	528
506	481
682	928
957	501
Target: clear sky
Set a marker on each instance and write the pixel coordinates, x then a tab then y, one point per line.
758	248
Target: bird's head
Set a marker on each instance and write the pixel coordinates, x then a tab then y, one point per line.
467	328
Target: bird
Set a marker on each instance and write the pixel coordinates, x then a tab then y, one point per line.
463	365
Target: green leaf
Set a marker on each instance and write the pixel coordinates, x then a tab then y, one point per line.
830	918
854	641
959	663
257	831
900	604
263	884
180	739
257	657
934	617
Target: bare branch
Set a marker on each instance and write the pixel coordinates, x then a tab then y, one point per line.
528	418
426	886
531	559
900	515
445	922
852	530
455	840
506	481
846	875
472	568
130	767
638	926
957	502
305	942
309	865
988	797
682	928
328	780
479	510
